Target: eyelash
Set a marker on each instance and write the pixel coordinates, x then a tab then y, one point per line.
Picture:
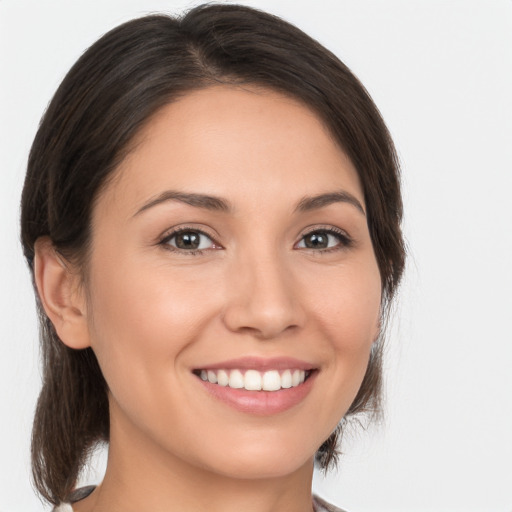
344	239
185	229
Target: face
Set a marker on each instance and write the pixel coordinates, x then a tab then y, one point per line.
233	291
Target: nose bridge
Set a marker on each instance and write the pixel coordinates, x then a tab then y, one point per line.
262	298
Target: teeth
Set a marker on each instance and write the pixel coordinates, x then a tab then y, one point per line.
222	378
297	376
286	379
271	381
236	379
253	380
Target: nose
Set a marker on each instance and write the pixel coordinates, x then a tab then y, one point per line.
263	298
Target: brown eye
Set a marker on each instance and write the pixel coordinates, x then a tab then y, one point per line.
189	240
323	239
318	240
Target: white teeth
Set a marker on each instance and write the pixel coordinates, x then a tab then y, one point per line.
222	378
296	377
286	379
236	379
271	381
253	380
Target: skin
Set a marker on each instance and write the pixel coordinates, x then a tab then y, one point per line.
153	313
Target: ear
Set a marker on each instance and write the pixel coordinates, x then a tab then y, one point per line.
61	295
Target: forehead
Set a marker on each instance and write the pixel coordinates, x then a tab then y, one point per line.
241	143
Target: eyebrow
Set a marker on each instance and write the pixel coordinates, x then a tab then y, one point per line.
320	201
215	203
197	200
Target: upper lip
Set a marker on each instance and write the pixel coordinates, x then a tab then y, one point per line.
259	363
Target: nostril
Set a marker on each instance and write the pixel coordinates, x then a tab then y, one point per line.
261	324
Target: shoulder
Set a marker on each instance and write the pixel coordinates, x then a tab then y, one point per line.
320	505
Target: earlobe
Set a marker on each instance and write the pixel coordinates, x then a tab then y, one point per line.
61	295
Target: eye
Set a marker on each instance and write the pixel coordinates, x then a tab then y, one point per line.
323	239
189	240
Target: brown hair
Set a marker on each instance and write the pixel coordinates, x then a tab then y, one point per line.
105	99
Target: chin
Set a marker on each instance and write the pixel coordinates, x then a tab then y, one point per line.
259	462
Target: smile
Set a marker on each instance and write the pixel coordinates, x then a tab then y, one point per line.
256	385
254	380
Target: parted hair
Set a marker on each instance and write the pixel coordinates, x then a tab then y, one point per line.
110	93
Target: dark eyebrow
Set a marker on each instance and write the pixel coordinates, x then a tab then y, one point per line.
218	204
197	200
321	200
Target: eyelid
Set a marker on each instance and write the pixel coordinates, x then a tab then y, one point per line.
345	240
169	234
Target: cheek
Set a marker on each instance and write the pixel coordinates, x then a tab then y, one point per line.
347	310
140	321
347	303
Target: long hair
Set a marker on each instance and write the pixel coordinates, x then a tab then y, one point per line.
111	92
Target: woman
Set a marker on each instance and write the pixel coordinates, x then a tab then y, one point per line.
212	217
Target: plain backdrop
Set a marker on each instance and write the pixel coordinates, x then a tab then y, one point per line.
441	73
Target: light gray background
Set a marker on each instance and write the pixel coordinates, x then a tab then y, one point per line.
441	73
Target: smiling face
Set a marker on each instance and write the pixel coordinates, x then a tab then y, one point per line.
232	253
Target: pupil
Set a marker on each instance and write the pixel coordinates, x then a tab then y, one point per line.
187	240
316	241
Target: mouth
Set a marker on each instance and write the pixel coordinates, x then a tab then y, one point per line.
258	386
255	380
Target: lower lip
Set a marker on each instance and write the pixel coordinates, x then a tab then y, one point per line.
261	402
